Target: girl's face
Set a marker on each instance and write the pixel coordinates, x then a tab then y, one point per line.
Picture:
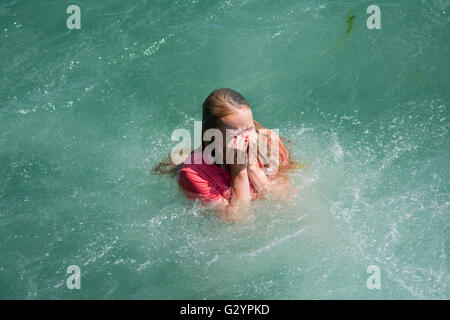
238	123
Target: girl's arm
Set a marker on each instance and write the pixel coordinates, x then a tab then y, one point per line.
237	207
274	187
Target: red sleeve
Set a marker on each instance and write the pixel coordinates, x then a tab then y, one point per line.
198	186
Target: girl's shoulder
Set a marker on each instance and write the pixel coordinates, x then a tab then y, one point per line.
201	180
196	164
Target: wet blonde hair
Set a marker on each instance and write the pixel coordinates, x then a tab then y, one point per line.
220	103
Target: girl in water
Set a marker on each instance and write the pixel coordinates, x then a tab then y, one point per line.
253	172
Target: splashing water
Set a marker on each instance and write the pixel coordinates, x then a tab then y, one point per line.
86	114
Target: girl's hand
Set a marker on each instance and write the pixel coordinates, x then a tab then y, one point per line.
252	147
236	154
257	176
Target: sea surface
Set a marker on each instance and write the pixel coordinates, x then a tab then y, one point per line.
85	114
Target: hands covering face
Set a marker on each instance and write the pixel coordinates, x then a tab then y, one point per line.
243	144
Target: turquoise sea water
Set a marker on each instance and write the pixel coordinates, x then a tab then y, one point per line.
86	114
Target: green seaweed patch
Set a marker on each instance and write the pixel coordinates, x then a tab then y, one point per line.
419	76
350	19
